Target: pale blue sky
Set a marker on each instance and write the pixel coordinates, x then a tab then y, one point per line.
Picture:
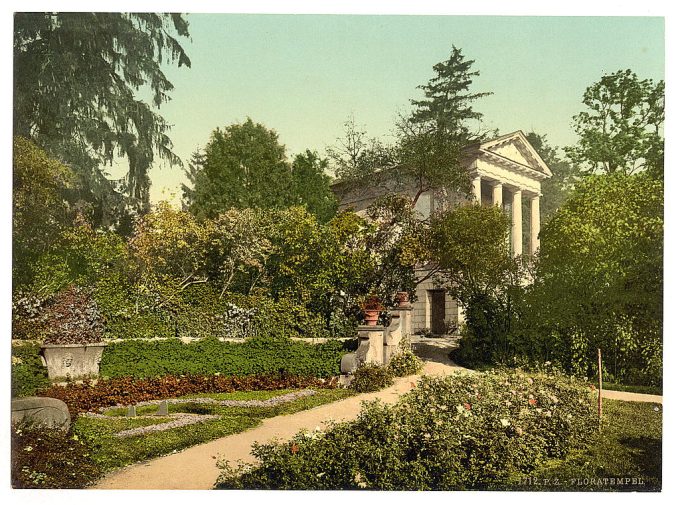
303	75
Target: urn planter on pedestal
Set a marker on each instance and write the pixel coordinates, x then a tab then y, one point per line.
73	346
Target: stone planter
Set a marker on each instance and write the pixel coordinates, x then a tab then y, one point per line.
73	361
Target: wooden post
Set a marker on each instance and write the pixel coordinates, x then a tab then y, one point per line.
599	393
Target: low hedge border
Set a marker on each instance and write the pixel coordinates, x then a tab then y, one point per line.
253	356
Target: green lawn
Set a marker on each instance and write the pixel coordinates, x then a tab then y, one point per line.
629	447
111	452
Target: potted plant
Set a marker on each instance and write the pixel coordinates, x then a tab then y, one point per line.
73	344
402	299
371	309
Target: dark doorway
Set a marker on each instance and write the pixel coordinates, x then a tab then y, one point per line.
438	311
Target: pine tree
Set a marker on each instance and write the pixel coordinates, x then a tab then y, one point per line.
447	104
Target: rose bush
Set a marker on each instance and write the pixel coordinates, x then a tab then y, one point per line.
467	431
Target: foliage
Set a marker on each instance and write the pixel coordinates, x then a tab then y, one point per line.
629	446
599	282
73	317
89	121
469	245
49	458
125	390
405	362
311	186
468	431
371	377
244	167
621	128
254	356
28	373
171	250
40	211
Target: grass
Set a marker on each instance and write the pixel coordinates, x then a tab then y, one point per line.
628	447
110	453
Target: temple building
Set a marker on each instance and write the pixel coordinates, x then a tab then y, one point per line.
506	171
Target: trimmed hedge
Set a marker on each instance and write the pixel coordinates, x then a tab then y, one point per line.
255	356
28	372
467	431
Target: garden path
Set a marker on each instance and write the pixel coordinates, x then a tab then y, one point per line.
195	467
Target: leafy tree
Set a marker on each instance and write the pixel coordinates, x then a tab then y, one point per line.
40	210
557	188
240	249
447	103
171	249
599	281
311	186
621	129
469	245
244	167
77	81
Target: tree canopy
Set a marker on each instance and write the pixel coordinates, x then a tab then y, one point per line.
599	280
78	78
621	130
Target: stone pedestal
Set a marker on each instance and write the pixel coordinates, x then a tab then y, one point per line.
370	348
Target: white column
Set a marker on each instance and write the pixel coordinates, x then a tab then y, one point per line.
535	223
477	189
517	222
498	194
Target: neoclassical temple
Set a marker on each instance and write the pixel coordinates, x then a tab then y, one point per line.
506	171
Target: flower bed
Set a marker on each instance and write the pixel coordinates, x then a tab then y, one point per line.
90	396
469	431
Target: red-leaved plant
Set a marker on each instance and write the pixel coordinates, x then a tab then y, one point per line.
74	318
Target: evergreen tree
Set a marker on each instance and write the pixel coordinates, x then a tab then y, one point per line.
311	186
447	105
77	78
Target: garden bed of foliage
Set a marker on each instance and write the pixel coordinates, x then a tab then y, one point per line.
253	356
53	459
468	431
90	396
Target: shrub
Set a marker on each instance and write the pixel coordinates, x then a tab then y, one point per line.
50	458
74	318
87	396
371	377
28	372
405	363
467	431
139	358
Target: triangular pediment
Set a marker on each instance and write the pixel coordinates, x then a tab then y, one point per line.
516	148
